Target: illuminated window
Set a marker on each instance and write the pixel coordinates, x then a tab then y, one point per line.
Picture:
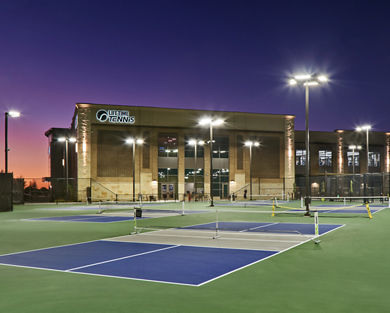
300	157
351	156
167	145
325	158
374	159
221	148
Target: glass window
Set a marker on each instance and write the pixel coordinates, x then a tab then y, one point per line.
189	174
221	148
374	159
220	182
167	145
300	157
325	158
351	156
167	174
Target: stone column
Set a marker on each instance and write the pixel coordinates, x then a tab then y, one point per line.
84	148
180	166
206	169
289	157
340	154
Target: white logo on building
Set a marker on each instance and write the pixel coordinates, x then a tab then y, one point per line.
115	116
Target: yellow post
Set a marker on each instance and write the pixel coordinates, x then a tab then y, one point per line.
368	210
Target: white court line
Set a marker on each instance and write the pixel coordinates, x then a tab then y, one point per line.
52	247
223	238
242	267
172	283
101	275
121	258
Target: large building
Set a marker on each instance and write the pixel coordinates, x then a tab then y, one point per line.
165	165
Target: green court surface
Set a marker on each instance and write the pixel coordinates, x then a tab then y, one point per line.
347	272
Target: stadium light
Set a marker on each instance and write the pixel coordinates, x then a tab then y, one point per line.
195	143
133	142
307	80
367	129
353	147
251	144
12	114
67	140
208	121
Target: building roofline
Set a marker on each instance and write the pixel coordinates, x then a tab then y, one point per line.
194	110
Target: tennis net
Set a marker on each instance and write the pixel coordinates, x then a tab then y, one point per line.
347	206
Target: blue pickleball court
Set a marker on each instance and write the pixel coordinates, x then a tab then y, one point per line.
175	264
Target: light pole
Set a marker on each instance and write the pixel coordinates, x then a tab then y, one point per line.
195	143
307	80
13	114
67	140
353	147
365	128
207	121
134	141
250	144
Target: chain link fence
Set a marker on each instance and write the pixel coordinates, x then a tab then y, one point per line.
32	190
348	185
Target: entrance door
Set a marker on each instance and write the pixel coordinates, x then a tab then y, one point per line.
225	190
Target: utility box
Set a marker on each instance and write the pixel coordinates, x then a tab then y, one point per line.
6	187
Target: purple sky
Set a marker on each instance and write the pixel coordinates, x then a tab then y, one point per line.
223	55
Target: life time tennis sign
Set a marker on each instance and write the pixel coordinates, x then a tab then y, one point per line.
115	116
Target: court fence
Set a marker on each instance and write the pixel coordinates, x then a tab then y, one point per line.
345	185
48	189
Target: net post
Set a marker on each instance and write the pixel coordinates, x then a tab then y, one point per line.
273	208
368	210
301	202
182	208
231	198
135	220
345	201
388	198
100	206
216	223
276	201
316	228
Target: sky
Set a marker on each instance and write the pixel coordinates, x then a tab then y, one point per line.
217	55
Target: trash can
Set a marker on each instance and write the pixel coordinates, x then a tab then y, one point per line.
138	212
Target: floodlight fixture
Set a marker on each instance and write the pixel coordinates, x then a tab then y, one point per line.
14	114
192	142
322	78
364	127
